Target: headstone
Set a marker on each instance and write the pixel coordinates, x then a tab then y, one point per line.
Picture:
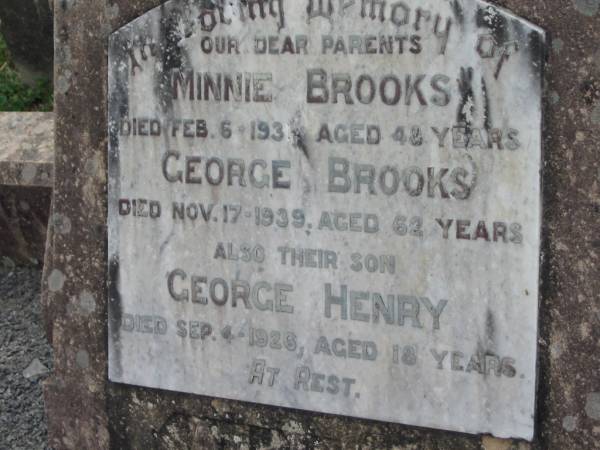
329	206
26	179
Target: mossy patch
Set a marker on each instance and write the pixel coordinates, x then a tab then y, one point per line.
16	95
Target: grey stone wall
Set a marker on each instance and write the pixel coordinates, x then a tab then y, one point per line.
86	411
26	178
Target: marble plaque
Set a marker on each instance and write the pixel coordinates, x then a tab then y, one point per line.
329	205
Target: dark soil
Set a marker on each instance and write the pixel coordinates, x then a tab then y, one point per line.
22	340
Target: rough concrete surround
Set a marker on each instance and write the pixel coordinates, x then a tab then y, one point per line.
87	411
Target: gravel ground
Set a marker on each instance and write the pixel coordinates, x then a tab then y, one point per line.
22	342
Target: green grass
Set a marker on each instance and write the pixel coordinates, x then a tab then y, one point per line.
17	96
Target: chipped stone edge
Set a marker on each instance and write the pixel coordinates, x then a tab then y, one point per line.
13	173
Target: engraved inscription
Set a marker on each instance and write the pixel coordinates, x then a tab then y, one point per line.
330	205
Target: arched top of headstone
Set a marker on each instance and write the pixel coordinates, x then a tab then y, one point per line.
463	35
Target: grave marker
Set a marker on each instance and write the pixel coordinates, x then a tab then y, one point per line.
329	206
